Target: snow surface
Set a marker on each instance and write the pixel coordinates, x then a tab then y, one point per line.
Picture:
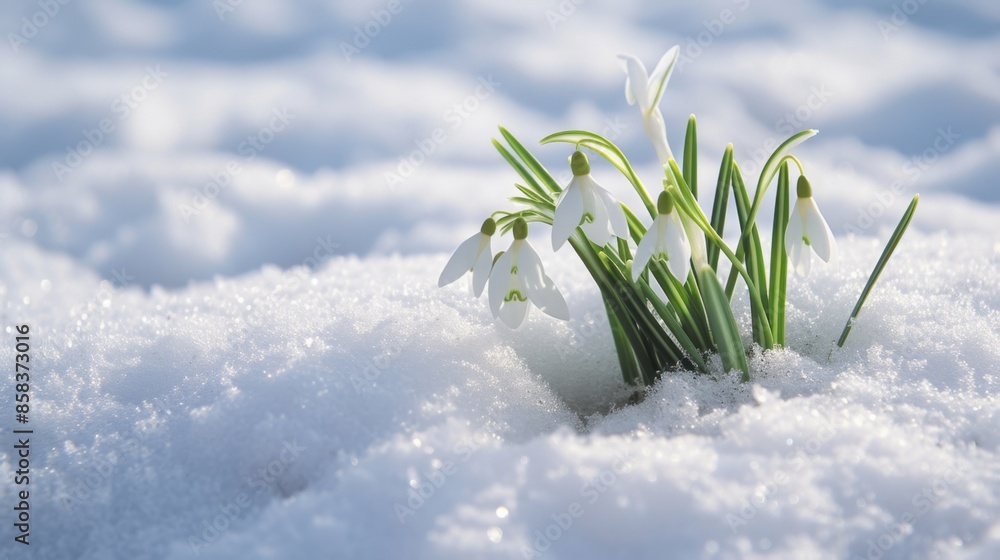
281	364
362	385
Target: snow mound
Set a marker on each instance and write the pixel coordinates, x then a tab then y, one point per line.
357	410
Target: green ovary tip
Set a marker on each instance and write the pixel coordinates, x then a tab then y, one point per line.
665	204
803	189
579	164
520	229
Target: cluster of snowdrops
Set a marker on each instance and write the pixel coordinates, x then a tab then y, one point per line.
666	303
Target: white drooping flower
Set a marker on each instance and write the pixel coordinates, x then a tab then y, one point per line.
472	255
518	280
646	90
807	230
585	203
665	240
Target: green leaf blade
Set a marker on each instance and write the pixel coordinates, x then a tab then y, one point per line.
890	248
720	205
724	328
691	156
779	259
531	162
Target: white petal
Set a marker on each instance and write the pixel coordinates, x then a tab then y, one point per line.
569	212
514	312
638	80
628	83
500	281
820	237
549	300
800	256
696	238
529	266
661	75
482	268
794	230
657	133
597	229
678	247
644	251
619	224
461	261
658	290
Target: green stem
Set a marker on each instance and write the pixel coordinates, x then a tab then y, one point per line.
691	208
779	260
631	373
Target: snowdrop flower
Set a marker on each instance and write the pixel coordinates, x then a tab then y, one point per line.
646	90
587	204
807	230
518	278
664	240
472	255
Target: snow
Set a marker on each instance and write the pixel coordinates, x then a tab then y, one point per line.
277	375
329	399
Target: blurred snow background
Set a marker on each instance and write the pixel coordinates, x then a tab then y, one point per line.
224	221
